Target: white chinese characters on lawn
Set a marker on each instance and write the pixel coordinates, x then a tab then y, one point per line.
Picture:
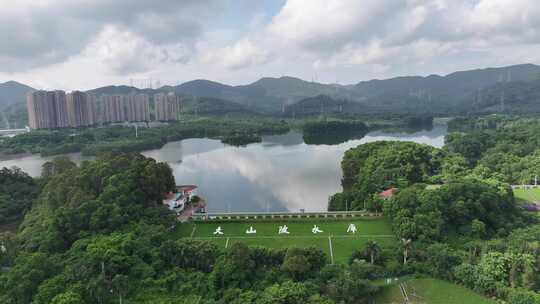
283	229
351	228
219	231
251	230
316	229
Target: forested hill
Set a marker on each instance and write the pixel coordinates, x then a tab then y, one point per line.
214	106
12	92
323	105
439	94
453	84
511	97
433	94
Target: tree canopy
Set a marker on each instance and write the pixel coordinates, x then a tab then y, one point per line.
17	192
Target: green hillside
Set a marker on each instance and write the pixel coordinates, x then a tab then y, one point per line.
12	92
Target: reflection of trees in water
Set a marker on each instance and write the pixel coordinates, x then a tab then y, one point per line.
332	138
291	138
174	155
410	129
179	154
170	153
403	132
416	129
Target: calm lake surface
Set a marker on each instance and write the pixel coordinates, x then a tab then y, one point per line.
281	173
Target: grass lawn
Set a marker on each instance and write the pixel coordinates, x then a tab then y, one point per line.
527	195
343	247
335	241
430	291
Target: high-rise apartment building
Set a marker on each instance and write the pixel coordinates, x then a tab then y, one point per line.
40	112
97	109
137	107
166	106
60	107
47	109
114	108
93	109
53	109
80	109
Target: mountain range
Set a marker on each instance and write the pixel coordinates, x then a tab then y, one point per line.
12	92
455	92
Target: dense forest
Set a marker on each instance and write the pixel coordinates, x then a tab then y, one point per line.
505	148
453	208
17	191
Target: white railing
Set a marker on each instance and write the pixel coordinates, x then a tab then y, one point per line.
13	131
524	186
226	216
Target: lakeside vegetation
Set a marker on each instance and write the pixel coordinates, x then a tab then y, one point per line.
241	139
333	131
453	208
99	234
233	131
93	141
506	148
105	217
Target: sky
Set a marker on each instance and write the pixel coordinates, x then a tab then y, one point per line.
84	44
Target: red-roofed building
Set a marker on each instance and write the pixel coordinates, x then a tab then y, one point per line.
388	193
187	189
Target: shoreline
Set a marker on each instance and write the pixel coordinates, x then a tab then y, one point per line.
6	157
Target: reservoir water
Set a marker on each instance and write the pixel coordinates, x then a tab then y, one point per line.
280	173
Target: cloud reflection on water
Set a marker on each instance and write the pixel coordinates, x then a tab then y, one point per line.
285	177
281	173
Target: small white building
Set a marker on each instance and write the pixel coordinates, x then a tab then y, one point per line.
177	201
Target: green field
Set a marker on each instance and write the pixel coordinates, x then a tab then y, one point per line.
335	241
527	195
430	291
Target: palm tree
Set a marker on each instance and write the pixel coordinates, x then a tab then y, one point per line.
406	246
120	284
373	250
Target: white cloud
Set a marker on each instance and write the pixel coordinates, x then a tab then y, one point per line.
40	33
504	15
327	24
128	53
388	33
241	54
240	41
